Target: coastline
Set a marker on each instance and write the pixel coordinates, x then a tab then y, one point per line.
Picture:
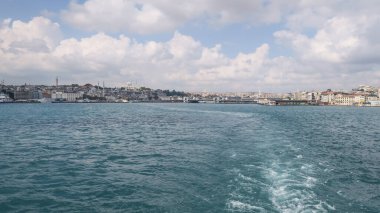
179	102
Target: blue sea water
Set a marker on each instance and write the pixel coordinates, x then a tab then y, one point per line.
188	158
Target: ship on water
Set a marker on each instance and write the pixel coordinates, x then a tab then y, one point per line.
4	98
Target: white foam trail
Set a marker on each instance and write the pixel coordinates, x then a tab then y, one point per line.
291	189
235	205
244	177
243	196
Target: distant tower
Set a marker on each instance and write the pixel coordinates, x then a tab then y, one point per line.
56	81
103	88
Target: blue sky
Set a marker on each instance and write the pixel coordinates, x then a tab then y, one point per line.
26	9
212	45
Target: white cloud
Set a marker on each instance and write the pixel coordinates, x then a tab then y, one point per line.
340	40
156	16
180	62
119	16
336	56
39	35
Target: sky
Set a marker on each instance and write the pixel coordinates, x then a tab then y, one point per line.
198	45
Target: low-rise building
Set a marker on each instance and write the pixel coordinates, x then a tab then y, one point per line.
69	96
23	95
72	96
327	97
372	98
313	96
344	99
57	95
300	96
360	99
164	98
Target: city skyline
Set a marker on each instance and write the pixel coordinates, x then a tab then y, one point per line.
216	46
57	83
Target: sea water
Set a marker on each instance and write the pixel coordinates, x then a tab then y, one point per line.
188	158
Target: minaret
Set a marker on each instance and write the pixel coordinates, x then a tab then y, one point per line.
56	81
98	90
103	88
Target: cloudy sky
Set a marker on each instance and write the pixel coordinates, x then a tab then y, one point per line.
198	45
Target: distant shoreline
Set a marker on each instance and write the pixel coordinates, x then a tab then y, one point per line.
155	102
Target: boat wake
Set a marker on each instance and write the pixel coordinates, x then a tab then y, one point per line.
285	183
234	205
291	188
246	193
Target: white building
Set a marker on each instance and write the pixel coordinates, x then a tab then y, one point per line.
300	96
359	99
372	98
327	97
313	96
164	98
366	88
56	95
344	100
70	96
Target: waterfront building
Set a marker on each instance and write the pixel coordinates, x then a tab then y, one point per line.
327	97
23	95
344	99
69	96
72	96
57	95
36	95
46	95
165	98
313	96
360	99
372	98
300	96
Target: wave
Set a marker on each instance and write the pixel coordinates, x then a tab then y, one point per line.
291	190
245	189
239	114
